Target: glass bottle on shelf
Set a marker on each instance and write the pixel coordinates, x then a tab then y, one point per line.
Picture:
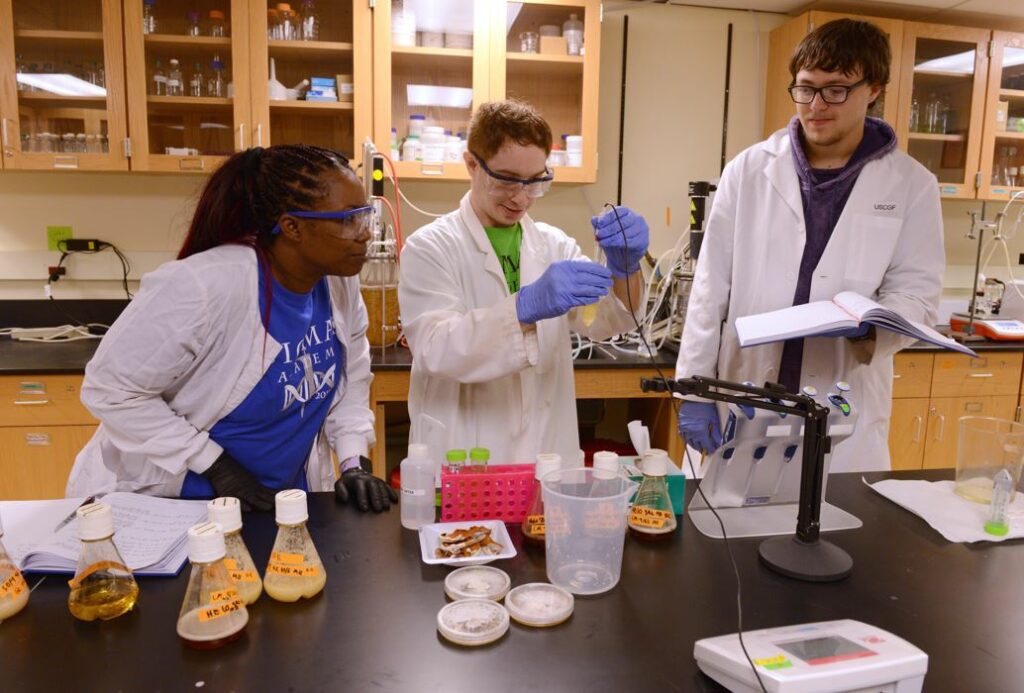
310	27
103	586
931	113
1000	171
13	590
159	79
915	115
215	86
289	25
572	31
148	17
227	512
533	521
218	26
196	81
104	144
175	85
652	515
192	27
273	24
20	69
212	613
294	569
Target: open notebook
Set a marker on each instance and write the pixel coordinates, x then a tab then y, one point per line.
846	310
150	532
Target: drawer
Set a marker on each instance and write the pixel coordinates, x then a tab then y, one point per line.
27	400
35	460
995	373
912	374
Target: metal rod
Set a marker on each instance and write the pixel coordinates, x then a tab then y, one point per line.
622	105
728	78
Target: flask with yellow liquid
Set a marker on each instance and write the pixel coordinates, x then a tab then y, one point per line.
103	586
13	590
212	612
294	569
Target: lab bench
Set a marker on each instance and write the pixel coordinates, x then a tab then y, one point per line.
374	626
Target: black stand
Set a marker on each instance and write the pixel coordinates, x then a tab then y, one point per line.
804	556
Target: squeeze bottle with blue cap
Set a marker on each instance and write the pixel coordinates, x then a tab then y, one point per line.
533	521
227	512
1002	492
212	612
103	586
417	472
294	569
13	590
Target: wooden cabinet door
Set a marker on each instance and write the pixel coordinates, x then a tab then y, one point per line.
943	424
1002	149
35	460
907	429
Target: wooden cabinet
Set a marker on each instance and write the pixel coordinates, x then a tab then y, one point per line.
779	108
43	425
1002	144
943	423
907	429
62	99
471	52
993	373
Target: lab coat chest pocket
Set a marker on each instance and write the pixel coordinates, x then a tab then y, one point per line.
872	242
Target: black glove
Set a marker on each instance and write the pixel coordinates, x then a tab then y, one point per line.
229	478
368	490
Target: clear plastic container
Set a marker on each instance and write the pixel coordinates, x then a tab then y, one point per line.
985	447
14	592
175	82
295	569
289	23
192	27
473	622
572	31
477	582
309	21
212	613
218	24
539	604
103	586
533	522
411	149
148	17
215	85
417	473
273	25
529	42
196	81
159	79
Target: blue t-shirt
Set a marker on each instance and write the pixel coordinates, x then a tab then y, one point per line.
272	431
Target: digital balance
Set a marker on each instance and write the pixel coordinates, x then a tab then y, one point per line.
825	657
990	328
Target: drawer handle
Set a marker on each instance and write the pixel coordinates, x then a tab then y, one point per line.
981	375
918	423
30	402
896	376
974	407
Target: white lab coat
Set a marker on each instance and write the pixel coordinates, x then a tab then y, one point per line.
887	245
477	379
187	350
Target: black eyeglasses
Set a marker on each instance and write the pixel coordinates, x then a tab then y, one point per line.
499	185
833	93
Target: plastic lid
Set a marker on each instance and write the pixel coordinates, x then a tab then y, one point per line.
205	542
418	451
226	512
547	462
473	621
291	507
271	12
284	7
655	462
539	604
95	521
477	582
480	454
216	14
174	61
417	116
193	15
999	529
606	465
455	455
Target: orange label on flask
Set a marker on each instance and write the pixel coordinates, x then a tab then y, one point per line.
293	570
223	595
535	525
12	586
96	567
649	517
231	564
220	610
288	558
244	576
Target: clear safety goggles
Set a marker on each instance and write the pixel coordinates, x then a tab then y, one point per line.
506	186
354	222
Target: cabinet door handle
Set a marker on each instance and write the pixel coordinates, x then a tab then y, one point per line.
942	428
241	136
3	138
30	402
896	376
1016	415
259	134
981	375
918	424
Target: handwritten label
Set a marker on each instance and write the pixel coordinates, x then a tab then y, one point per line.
220	610
535	525
223	595
649	517
293	570
244	576
12	586
287	558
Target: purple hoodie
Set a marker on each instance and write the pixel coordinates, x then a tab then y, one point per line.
824	193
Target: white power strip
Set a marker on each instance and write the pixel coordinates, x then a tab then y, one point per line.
61	333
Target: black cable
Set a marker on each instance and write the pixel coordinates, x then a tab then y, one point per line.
100	246
689	461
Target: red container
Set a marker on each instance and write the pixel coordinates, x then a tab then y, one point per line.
497	492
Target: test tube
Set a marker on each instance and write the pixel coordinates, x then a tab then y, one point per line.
1002	491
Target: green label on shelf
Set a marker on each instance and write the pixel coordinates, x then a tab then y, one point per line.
56	234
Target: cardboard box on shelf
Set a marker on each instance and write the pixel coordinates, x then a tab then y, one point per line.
553	45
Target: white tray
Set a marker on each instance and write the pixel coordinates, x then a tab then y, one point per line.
430	538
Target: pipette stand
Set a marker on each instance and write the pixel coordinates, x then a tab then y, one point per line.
977	231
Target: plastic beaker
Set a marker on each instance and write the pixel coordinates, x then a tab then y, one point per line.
986	446
585	528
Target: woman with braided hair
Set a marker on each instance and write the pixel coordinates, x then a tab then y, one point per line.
237	367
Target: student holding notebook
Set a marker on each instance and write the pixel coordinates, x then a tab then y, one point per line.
237	368
827	205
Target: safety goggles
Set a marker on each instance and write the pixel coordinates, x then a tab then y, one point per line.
353	221
833	93
506	186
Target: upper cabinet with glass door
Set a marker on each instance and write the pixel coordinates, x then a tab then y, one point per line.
942	102
62	103
548	54
1002	153
188	82
434	56
311	65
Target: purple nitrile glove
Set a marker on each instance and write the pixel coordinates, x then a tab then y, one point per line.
699	426
624	239
565	285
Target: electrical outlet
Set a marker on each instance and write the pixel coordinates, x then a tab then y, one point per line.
56	234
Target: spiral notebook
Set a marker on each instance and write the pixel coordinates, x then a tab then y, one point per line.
150	532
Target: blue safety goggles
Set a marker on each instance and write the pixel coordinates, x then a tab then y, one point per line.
353	221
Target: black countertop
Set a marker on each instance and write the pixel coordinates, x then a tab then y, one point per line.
374	626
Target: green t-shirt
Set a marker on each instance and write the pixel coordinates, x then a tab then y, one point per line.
507	241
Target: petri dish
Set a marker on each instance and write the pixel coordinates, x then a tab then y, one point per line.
477	582
472	622
539	604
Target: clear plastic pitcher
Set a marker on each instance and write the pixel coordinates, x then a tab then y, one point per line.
585	528
987	445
